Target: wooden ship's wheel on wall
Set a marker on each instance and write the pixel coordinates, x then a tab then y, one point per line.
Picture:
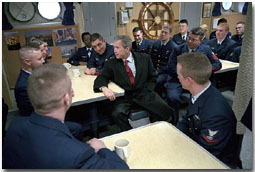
152	17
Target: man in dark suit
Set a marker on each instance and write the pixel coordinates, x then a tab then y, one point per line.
194	44
213	33
183	34
42	140
161	50
238	37
209	120
104	52
135	73
84	53
30	59
141	45
222	45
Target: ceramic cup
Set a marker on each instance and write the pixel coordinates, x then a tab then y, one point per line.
67	65
76	72
122	148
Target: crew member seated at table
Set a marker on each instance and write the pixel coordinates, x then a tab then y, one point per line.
209	120
181	37
134	72
43	140
213	33
141	45
43	46
30	59
161	50
222	45
84	53
235	55
238	37
104	52
194	44
205	29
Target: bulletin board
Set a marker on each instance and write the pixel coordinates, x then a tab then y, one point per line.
10	55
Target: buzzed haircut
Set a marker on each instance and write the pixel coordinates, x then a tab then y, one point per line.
196	66
85	33
222	20
167	26
243	23
126	41
136	29
225	25
96	36
198	31
184	21
47	85
26	51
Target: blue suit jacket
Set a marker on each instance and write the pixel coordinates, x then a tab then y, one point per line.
160	55
235	55
211	123
177	38
205	41
21	95
97	61
41	142
80	55
222	51
202	48
238	39
145	47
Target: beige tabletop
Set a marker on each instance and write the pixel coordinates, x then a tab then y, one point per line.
161	146
83	88
227	66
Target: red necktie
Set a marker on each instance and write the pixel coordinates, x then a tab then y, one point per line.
130	74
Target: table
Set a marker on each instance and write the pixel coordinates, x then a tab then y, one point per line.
83	88
160	145
227	66
84	93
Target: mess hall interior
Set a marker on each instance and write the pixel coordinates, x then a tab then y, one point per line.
153	85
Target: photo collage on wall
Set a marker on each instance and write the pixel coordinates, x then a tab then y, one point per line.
12	40
66	38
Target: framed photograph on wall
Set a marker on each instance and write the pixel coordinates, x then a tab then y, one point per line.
206	13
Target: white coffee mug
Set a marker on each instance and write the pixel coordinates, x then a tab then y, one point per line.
76	72
122	148
67	65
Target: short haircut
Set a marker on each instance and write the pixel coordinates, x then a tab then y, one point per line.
167	26
243	23
34	42
195	65
125	40
83	34
225	25
96	36
136	29
27	51
47	85
222	20
198	31
204	27
184	21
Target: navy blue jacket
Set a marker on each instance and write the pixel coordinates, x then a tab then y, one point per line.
211	123
224	49
177	38
202	48
41	142
160	55
238	39
80	55
145	47
97	61
23	102
205	41
235	55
